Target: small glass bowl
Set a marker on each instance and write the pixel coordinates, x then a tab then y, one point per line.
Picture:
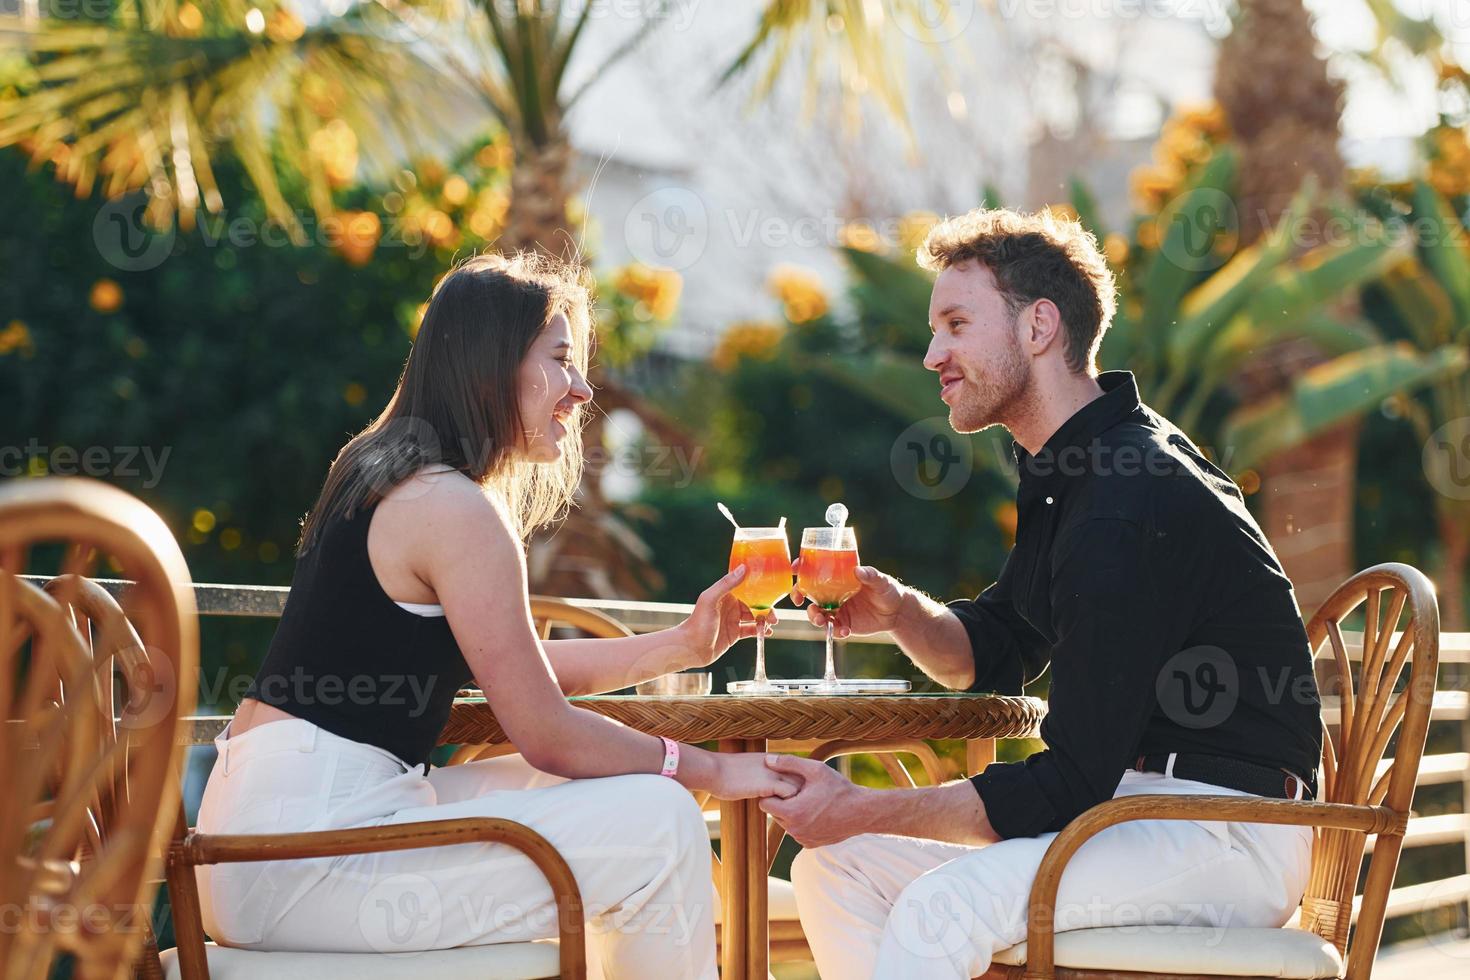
690	684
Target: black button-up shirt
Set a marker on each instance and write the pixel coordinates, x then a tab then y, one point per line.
1169	624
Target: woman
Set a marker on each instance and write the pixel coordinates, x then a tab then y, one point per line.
410	581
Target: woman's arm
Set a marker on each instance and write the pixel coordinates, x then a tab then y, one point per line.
466	552
592	666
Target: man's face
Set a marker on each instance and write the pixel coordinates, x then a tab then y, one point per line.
983	372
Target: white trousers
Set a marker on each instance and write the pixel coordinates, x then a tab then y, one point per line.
896	908
637	846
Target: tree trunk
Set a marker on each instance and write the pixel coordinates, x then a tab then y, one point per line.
539	190
1284	110
1454	536
1307	512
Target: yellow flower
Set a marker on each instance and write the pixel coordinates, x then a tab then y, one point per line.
284	27
323	95
230	538
107	296
17	336
495	156
1148	235
488	217
655	287
334	146
354	393
203	521
1115	248
755	339
190	20
1207	119
800	292
1150	188
456	190
1062	212
1005	517
438	226
914	227
861	236
361	231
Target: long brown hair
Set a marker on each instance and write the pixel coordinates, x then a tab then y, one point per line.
457	401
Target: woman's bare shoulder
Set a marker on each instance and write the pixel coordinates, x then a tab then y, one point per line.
433	499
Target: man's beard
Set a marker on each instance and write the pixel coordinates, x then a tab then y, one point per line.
998	397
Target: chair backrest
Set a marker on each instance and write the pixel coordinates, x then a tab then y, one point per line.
1391	693
549	613
91	795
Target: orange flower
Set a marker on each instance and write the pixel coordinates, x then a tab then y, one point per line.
755	339
861	236
284	27
914	227
800	292
361	231
334	146
656	288
17	336
107	296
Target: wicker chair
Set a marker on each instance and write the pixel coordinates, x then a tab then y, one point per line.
90	795
1362	795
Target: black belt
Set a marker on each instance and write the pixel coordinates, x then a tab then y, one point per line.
1219	770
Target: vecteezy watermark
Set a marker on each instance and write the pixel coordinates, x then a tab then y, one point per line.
931	462
300	687
674	463
401	913
95	461
667	227
1446	459
128	242
1214	14
68	918
1198	687
934	917
125	240
936	21
1191	233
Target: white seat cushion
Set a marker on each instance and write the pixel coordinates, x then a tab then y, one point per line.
501	961
1292	953
779	906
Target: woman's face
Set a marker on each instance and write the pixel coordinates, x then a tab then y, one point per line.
551	389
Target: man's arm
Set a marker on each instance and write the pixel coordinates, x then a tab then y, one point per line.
829	808
1116	623
971	644
932	637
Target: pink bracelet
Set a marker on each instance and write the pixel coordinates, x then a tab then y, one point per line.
671	757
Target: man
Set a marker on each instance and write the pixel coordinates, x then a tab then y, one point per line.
1179	660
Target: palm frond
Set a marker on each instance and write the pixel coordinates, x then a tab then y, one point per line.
865	39
145	103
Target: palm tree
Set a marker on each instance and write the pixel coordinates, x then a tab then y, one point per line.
142	99
1285	111
146	96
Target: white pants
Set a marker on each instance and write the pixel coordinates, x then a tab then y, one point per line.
637	846
897	907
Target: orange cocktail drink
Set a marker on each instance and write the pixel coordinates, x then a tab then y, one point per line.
827	575
767	560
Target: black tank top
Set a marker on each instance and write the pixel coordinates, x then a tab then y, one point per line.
348	658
